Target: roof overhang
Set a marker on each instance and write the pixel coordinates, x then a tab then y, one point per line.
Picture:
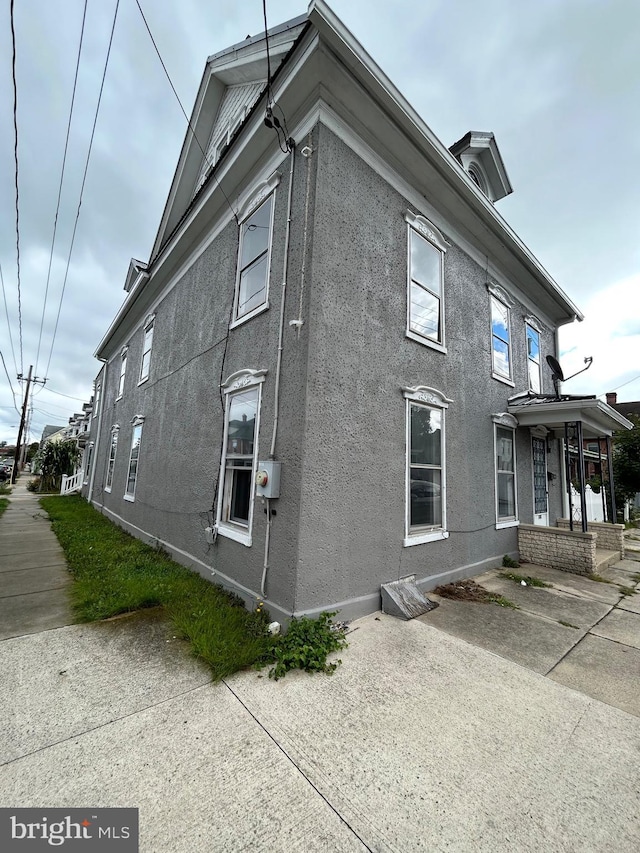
598	419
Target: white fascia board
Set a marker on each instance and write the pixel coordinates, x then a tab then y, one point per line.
598	417
363	67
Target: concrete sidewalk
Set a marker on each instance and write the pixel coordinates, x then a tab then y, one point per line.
34	580
420	741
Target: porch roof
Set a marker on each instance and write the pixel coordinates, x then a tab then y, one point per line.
598	419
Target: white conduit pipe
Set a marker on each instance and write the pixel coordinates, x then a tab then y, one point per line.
276	400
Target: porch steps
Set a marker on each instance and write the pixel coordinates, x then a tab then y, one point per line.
605	558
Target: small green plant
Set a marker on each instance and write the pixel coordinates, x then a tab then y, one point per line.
509	563
306	646
501	601
34	485
5	488
626	590
524	579
598	578
568	624
4	503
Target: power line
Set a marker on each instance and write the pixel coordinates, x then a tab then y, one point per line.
15	405
60	394
628	382
204	154
64	160
84	177
15	152
6	311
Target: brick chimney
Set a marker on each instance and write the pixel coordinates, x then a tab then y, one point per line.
612	398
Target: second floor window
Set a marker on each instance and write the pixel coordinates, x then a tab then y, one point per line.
533	359
145	365
500	340
96	400
113	449
253	261
425	296
123	370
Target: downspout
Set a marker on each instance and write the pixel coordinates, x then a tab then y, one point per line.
276	400
94	460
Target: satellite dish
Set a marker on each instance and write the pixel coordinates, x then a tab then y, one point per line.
554	364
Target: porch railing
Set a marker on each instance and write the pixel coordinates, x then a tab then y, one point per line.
72	483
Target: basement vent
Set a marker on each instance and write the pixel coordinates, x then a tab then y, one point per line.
403	599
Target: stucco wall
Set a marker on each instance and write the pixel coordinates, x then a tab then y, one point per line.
353	491
182	434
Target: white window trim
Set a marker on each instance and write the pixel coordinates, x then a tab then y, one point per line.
428	230
90	450
150	321
124	358
500	295
239	381
114	429
429	397
528	324
97	399
137	421
247	206
505	421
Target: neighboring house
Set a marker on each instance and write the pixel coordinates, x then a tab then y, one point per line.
50	431
331	372
628	410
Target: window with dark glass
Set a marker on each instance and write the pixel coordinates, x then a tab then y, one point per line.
425	468
113	447
239	457
123	370
505	474
145	365
134	457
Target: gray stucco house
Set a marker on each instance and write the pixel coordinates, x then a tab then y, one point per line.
316	381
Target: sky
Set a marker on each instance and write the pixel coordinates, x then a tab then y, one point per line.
557	81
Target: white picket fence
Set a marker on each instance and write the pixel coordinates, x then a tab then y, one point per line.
593	501
72	483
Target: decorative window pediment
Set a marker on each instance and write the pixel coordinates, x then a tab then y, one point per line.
427	229
424	394
499	293
251	201
243	379
505	419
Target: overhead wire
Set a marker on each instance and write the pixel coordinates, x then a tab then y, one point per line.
84	178
15	151
15	405
64	161
191	128
628	382
6	311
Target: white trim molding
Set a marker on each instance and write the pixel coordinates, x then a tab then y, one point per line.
242	379
505	419
253	198
500	293
427	229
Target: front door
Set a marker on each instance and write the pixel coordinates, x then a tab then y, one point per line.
540	494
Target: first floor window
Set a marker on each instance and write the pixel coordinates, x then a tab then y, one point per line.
134	458
113	447
425	465
235	503
86	462
505	474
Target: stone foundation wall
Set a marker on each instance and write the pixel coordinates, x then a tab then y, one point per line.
610	536
558	548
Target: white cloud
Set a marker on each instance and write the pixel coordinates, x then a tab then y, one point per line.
610	333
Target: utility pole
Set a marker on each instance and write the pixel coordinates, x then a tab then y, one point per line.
23	418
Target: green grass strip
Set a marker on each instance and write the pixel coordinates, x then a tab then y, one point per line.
115	573
4	503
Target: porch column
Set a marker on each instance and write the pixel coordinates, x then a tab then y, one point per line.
612	491
583	500
567	468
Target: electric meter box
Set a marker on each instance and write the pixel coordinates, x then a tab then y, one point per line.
268	479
